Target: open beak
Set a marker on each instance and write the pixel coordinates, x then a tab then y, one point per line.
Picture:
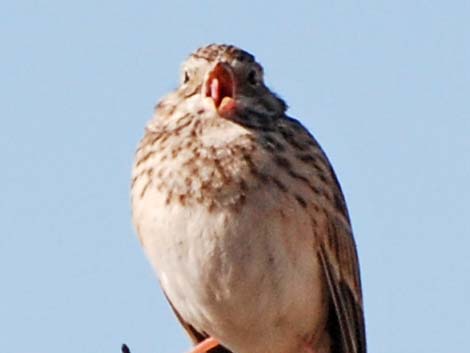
220	86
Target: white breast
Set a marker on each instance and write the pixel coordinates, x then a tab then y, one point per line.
248	277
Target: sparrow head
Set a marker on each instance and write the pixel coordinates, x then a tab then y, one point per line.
229	78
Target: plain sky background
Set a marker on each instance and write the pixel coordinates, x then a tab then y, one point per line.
383	85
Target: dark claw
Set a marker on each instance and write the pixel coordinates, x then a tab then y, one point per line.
125	349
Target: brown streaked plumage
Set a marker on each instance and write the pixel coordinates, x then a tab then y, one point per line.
243	218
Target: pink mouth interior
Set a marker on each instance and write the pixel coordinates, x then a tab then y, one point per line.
219	85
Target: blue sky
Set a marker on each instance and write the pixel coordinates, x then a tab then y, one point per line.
383	85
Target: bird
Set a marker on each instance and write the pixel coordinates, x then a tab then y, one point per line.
242	217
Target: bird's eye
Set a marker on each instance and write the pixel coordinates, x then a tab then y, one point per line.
186	77
252	79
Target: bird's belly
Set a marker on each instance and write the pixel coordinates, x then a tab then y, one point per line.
248	276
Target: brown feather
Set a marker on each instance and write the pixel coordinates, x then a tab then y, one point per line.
340	265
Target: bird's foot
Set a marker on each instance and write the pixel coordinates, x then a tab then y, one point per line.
205	345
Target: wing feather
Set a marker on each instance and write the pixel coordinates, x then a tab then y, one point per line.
339	260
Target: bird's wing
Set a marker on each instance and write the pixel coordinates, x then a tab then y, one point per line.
194	334
336	248
338	258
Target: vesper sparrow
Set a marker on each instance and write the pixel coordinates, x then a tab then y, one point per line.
242	217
